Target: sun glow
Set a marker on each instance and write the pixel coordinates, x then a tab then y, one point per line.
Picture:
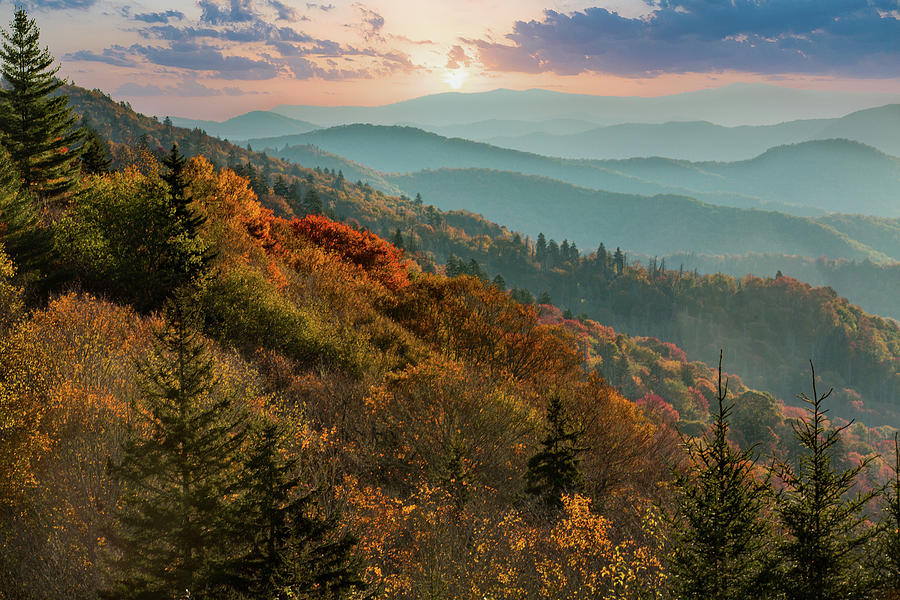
455	78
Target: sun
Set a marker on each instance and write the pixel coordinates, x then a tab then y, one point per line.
455	78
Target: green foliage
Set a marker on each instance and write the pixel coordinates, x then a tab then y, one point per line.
95	158
250	312
123	235
38	126
290	550
177	471
26	241
719	535
824	527
554	470
886	551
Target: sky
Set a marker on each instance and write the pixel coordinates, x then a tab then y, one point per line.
213	59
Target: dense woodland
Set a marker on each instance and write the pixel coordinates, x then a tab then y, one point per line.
217	380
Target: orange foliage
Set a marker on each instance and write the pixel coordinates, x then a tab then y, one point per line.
471	321
377	257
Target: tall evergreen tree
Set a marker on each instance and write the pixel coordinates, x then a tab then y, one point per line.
887	547
291	551
822	521
38	127
619	261
177	471
719	535
540	248
554	470
183	263
27	243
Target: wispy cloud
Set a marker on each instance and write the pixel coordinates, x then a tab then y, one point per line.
246	41
159	17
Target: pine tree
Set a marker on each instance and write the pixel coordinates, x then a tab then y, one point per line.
887	546
186	262
397	239
553	471
313	202
540	249
27	243
821	520
95	158
38	127
619	261
291	551
177	471
719	535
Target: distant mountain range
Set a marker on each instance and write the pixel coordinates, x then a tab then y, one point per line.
736	104
698	140
258	123
801	179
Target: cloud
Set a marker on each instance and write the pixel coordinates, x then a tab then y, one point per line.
285	12
235	41
372	23
827	37
322	7
184	88
114	55
199	57
457	58
159	17
240	11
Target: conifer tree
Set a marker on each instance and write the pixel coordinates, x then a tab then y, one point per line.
540	248
619	261
821	519
177	470
719	536
312	202
38	126
188	258
95	158
887	547
26	242
554	470
291	551
397	239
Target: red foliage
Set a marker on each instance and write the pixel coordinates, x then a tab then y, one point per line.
377	257
658	409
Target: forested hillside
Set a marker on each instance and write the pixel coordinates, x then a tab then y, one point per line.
223	375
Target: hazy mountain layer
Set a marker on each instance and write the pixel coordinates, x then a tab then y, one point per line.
697	140
737	104
827	175
253	124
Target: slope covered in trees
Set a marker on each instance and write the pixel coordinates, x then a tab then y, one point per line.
646	224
